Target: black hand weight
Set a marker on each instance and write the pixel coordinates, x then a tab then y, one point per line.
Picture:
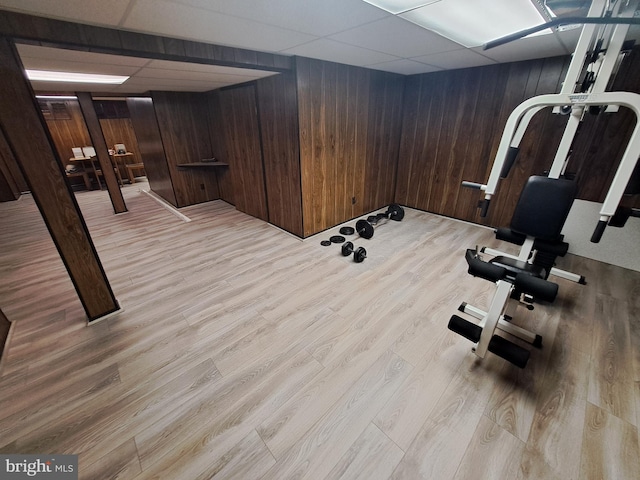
358	255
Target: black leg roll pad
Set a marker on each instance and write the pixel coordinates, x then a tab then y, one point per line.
486	270
509	351
539	288
463	327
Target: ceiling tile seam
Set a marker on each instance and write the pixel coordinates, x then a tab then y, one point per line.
241	18
387	15
126	13
485	56
409	59
362	48
567	50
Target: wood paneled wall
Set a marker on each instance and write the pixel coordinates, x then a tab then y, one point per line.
278	115
603	138
349	128
452	126
69	133
243	149
145	125
383	140
453	122
120	130
182	120
217	119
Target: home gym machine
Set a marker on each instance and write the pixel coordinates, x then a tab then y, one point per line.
539	216
595	60
521	278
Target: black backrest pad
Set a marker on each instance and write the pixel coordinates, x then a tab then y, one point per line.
543	207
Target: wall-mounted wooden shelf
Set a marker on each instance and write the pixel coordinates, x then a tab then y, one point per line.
202	164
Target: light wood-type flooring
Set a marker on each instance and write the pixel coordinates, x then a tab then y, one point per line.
243	352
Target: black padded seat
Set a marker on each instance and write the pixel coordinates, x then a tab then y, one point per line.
514	267
543	207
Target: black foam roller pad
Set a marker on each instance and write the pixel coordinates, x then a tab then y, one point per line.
540	289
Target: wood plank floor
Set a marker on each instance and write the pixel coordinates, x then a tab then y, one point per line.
243	352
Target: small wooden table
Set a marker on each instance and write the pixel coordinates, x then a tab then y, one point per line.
88	161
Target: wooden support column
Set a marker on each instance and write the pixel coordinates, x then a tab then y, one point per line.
26	133
102	152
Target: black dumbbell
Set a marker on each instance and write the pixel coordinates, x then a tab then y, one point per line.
365	227
359	254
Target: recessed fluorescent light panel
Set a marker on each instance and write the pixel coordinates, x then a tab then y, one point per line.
468	22
47	76
56	97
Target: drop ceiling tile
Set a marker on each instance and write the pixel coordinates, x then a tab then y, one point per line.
569	39
171	83
525	49
79	56
197	76
199	67
332	51
314	17
463	58
96	13
405	67
398	37
182	21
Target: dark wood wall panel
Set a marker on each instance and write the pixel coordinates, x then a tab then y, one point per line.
452	126
120	130
278	114
349	128
182	119
145	125
69	133
243	149
603	139
217	120
383	142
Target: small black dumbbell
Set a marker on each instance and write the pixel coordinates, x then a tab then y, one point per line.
359	254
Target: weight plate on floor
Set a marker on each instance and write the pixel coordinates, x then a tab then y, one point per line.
359	255
372	219
337	239
364	229
325	243
347	231
396	212
347	248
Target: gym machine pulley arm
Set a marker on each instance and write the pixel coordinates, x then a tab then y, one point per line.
600	56
517	119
